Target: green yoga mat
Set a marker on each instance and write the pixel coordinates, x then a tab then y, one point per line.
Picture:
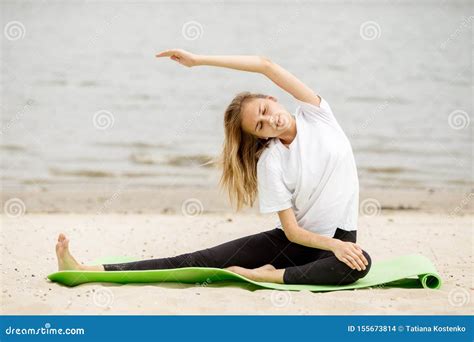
409	271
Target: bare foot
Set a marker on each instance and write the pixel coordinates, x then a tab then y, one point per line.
66	261
265	273
267	267
250	273
246	272
242	270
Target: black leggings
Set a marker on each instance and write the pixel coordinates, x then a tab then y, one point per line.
303	265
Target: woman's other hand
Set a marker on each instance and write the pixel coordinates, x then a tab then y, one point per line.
182	57
350	254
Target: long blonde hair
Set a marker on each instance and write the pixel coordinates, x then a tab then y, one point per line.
240	154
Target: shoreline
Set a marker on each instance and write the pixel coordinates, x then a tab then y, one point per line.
103	199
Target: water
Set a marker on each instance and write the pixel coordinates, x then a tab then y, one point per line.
393	95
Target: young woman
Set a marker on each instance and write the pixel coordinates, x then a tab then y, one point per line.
300	166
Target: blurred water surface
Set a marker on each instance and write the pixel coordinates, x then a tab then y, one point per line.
84	101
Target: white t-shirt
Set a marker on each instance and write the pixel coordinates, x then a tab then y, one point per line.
316	175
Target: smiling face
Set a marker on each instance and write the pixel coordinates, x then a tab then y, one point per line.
265	117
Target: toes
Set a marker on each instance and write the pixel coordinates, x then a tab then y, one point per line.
63	243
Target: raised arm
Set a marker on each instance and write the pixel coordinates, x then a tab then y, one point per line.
281	77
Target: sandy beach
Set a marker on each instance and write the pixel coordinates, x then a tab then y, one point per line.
27	244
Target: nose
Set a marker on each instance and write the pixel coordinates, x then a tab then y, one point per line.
270	119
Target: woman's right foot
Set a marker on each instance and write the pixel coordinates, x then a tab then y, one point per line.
267	267
237	269
66	261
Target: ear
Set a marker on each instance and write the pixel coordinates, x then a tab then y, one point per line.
272	98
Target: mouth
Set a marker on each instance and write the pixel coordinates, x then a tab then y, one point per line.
281	121
277	121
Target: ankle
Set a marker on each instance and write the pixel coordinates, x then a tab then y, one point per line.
91	268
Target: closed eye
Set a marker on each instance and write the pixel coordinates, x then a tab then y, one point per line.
259	124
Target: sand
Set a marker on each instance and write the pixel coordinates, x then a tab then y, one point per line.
27	245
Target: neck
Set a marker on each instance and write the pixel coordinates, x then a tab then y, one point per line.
289	135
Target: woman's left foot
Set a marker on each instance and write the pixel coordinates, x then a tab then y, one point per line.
66	261
267	267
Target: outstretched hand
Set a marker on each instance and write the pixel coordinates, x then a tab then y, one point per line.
181	56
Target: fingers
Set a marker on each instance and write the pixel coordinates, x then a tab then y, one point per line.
354	258
357	261
167	53
348	259
348	263
353	255
163	54
353	261
172	54
360	253
364	259
356	246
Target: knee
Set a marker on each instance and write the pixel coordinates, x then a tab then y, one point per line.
354	274
361	274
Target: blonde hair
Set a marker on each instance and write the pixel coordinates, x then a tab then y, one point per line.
240	154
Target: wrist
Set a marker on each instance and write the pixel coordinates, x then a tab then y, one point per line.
334	243
198	60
